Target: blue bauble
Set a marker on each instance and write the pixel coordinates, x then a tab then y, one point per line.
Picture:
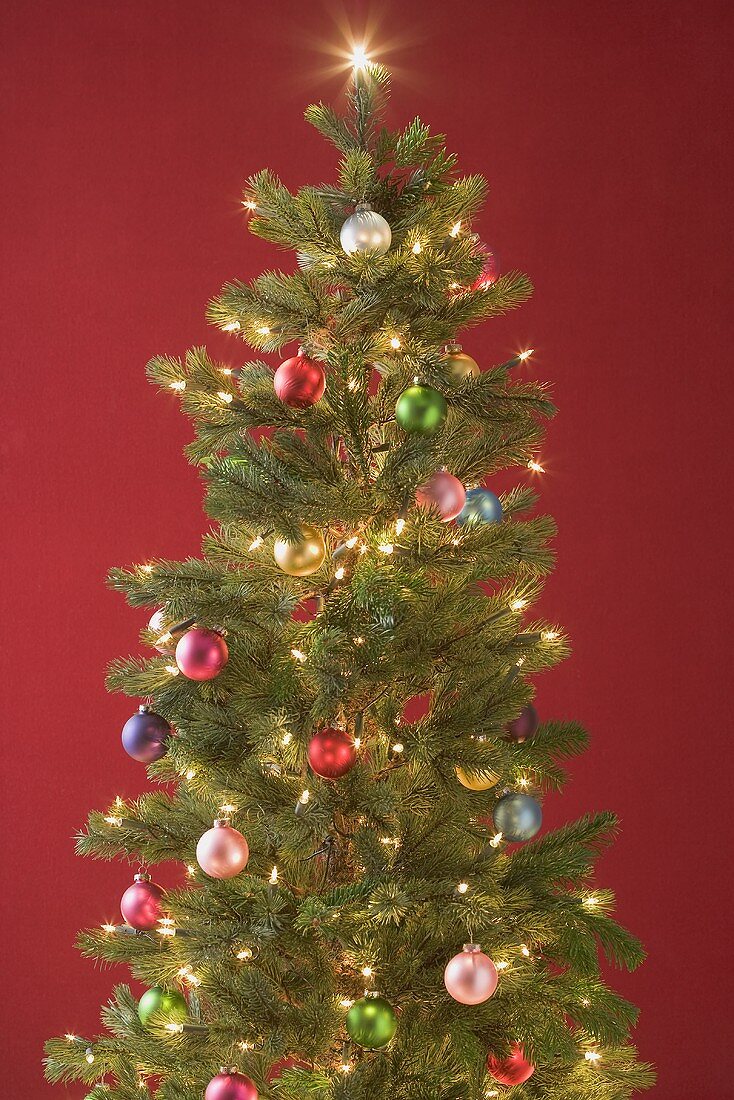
482	506
145	736
517	816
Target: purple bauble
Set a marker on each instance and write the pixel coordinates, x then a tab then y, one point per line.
524	726
230	1085
145	736
141	904
471	976
201	654
222	852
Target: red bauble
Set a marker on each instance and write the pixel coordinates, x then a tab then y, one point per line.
201	654
141	904
230	1085
300	382
489	271
444	492
331	753
281	1066
512	1070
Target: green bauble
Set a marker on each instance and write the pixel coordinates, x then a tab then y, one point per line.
169	1003
371	1022
421	409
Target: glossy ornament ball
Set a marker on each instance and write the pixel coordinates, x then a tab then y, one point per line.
230	1085
459	365
365	231
512	1070
471	976
145	736
482	506
303	556
444	492
421	410
142	904
278	1068
222	852
299	382
168	1003
201	654
517	816
371	1022
524	726
476	781
331	753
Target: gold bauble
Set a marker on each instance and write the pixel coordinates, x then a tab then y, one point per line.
476	781
459	365
302	557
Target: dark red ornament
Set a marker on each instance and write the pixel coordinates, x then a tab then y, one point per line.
300	382
201	654
281	1066
524	726
331	753
512	1070
142	904
489	272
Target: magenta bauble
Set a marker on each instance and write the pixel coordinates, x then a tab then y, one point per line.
512	1070
331	753
444	492
471	976
299	382
142	904
222	852
201	654
524	726
230	1085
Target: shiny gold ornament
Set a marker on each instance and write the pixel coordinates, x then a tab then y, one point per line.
459	365
302	557
476	781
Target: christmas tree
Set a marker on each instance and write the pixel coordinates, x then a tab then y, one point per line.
339	714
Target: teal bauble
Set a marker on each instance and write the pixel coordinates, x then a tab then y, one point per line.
371	1022
481	506
168	1003
421	410
517	817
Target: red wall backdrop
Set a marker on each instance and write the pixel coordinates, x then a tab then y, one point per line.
131	127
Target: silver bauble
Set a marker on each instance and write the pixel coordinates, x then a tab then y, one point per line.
365	231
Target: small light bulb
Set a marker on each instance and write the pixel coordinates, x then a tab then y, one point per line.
286	739
518	604
179	386
462	888
298	654
70	1037
173	670
352	542
524	355
496	840
395	343
523	781
231	326
339	573
359	57
227	398
398	746
89	1055
455	229
255	544
190	773
399	525
591	902
386	548
249	204
549	635
112	820
536	466
245	954
146	568
345	1067
346	1002
246	1045
109	928
273	880
304	797
525	950
176	1029
367	971
585	1002
358	640
592	1056
190	870
357	742
227	808
263	330
417	248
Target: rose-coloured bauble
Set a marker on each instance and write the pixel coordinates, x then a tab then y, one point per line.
168	1003
201	654
458	364
421	410
444	492
482	506
365	231
476	781
512	1070
278	1068
299	382
517	816
471	976
331	753
303	556
229	1084
222	852
145	736
524	726
490	268
142	904
371	1022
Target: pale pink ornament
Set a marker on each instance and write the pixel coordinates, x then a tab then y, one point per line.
471	976
222	852
444	492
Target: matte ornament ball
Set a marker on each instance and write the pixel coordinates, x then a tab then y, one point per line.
481	506
142	904
222	852
421	410
365	231
167	1003
201	654
515	1069
524	726
443	492
299	382
459	365
476	781
517	816
145	736
471	976
331	753
371	1022
302	556
231	1085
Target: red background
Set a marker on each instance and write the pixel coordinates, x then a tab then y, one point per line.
131	127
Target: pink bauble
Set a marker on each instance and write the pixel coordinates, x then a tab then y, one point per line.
471	976
222	852
142	904
331	753
512	1070
230	1085
299	382
201	654
281	1066
444	492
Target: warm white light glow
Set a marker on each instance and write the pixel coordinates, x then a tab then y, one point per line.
398	746
190	870
590	902
109	928
399	525
358	641
501	965
525	950
304	797
255	544
263	330
245	954
176	1029
359	59
523	781
273	880
367	971
536	466
227	808
395	343
518	604
231	326
357	742
345	1067
190	773
346	1002
592	1056
173	670
89	1057
549	635
456	229
180	385
386	548
227	398
339	573
112	820
524	355
71	1038
286	739
417	248
496	840
299	655
249	204
462	888
352	542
